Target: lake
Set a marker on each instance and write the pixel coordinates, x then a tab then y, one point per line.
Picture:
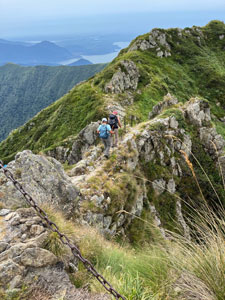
97	59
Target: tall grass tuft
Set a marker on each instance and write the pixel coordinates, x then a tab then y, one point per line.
204	256
178	269
174	269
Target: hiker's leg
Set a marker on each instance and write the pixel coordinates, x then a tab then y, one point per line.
105	145
108	143
112	139
116	136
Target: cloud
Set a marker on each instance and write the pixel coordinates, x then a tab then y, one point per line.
51	8
22	16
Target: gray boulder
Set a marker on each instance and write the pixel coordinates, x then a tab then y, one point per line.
213	142
125	78
168	101
156	40
198	112
84	140
41	177
86	137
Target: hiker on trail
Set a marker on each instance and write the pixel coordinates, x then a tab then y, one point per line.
105	131
114	122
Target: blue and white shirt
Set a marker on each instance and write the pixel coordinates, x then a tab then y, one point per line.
107	126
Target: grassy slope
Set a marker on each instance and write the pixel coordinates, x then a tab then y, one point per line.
165	269
193	69
24	91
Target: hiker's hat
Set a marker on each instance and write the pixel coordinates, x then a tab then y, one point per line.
104	120
115	112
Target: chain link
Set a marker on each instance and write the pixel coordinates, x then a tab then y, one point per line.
63	238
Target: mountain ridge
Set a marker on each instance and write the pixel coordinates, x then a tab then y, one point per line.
184	62
81	62
44	52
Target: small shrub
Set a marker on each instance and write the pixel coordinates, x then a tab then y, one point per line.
54	245
2	205
18	173
80	278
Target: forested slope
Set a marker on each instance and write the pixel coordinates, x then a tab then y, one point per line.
24	91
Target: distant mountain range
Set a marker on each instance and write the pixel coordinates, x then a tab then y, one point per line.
81	62
45	53
60	52
24	91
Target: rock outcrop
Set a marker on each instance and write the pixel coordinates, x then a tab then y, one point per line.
43	178
198	112
168	101
213	142
25	263
155	40
125	78
80	144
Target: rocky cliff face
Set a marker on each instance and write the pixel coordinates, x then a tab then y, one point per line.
86	138
125	78
156	40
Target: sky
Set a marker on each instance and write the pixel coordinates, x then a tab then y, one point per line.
38	17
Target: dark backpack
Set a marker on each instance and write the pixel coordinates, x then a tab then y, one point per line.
103	132
113	121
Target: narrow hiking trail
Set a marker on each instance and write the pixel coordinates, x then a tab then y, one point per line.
93	162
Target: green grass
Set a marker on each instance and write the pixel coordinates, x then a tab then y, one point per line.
161	271
62	119
220	128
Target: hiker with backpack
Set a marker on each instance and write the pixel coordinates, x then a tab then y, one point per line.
114	122
105	131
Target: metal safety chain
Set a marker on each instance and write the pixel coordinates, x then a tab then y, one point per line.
64	239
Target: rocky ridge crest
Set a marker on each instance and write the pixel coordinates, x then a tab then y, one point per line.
158	141
107	194
89	191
